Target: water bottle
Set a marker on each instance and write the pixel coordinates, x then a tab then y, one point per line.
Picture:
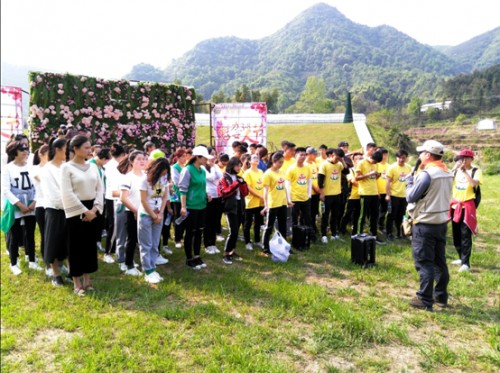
168	219
389	207
181	218
322	207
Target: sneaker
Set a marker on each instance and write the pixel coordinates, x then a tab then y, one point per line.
457	262
136	265
417	303
99	247
157	275
178	245
220	238
333	238
108	259
227	259
133	272
123	267
161	260
200	263
324	239
167	251
63	269
249	246
235	256
259	245
211	250
151	278
464	268
192	264
439	303
216	250
35	266
57	281
380	241
49	272
15	270
241	238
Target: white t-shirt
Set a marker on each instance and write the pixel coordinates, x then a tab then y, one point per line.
133	183
17	185
37	175
154	195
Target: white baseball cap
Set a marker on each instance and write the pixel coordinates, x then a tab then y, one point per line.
431	146
201	151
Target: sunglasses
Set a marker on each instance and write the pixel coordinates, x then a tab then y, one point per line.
23	148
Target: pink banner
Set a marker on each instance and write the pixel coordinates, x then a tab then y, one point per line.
11	113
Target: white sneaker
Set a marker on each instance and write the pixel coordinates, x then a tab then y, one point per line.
210	250
123	267
457	262
99	247
464	268
259	245
108	259
133	272
136	265
324	239
220	238
333	238
49	272
241	238
178	245
157	275
15	270
35	266
263	227
161	260
167	251
215	249
7	252
249	246
151	278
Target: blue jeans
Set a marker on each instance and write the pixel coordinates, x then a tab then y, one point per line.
148	235
428	248
120	232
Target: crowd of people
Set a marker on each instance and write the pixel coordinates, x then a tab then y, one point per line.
79	193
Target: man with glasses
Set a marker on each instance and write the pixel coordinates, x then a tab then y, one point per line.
430	192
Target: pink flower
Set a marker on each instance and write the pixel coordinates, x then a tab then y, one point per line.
117	90
60	86
91	93
60	91
84	89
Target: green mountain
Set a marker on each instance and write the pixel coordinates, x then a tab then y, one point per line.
378	64
479	52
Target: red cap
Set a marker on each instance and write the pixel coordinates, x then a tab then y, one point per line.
466	153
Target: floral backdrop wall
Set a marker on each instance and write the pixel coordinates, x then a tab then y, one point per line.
111	111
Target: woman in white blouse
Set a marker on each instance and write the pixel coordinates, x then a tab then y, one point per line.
82	197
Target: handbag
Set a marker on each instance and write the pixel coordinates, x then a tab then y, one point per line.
8	216
280	249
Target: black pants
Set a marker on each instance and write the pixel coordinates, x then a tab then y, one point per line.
40	220
253	216
370	206
382	211
212	223
195	223
314	211
131	242
109	211
24	233
273	214
352	213
165	229
331	215
428	249
395	217
234	219
462	238
178	229
301	210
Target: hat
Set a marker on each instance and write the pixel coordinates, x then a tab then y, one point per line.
155	154
431	146
311	150
201	151
466	153
343	143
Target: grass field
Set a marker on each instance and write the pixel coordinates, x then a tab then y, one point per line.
316	313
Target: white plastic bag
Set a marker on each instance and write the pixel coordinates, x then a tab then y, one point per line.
280	249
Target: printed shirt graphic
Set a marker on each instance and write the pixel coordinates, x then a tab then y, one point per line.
277	192
314	174
462	190
368	186
398	174
333	174
299	178
382	180
154	194
254	179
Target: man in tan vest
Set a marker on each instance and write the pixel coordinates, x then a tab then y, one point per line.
430	192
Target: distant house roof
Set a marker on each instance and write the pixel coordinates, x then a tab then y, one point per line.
486	124
436	105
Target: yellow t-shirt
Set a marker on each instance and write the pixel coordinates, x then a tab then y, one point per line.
299	180
254	181
277	193
368	186
333	174
462	190
314	166
287	164
354	188
382	181
398	174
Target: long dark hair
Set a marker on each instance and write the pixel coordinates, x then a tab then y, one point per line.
54	144
126	162
233	162
155	169
78	141
275	157
12	148
41	150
